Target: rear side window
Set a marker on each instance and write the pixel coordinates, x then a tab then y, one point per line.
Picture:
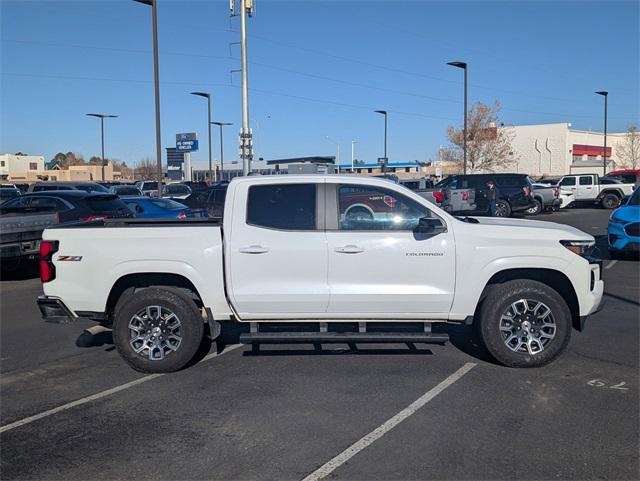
41	188
105	203
586	180
282	206
510	181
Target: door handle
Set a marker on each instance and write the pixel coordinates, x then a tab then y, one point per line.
349	249
253	249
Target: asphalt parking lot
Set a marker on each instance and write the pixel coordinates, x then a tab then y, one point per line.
378	412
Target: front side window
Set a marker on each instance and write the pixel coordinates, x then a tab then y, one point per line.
568	181
282	206
374	208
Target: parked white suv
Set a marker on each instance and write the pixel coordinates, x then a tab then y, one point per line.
323	250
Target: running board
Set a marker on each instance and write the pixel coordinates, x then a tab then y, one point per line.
341	337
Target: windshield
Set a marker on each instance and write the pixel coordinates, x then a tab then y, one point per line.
635	198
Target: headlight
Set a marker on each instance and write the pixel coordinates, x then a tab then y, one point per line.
580	247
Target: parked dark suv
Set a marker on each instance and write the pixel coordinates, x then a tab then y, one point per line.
515	191
211	199
71	205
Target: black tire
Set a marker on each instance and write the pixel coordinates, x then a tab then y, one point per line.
498	302
190	325
610	201
536	208
503	209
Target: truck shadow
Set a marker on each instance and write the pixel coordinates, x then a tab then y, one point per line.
10	270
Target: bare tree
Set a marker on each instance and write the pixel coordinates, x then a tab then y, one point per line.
146	169
628	150
488	146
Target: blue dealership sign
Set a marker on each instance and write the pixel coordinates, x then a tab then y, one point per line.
187	142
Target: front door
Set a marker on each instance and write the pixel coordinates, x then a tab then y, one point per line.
277	253
378	266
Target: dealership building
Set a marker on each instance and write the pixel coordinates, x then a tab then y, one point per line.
548	150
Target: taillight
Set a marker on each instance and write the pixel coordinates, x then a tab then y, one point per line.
556	192
182	215
438	196
465	195
47	269
89	218
389	200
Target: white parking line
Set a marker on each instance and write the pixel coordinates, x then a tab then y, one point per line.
610	264
387	426
99	395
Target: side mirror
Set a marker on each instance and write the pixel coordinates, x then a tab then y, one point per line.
430	225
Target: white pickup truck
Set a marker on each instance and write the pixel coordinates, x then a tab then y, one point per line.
591	188
349	256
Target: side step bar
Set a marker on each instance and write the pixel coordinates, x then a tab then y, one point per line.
341	337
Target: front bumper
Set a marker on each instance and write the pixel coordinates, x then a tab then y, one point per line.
54	310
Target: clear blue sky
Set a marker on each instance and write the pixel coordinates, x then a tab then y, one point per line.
316	69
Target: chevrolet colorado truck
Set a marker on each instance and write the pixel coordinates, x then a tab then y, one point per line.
297	262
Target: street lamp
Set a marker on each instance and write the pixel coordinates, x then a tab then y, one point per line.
102	117
463	66
208	97
337	144
156	81
384	165
220	124
605	94
353	153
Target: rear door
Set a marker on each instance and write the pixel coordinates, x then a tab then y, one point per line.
379	268
586	188
277	253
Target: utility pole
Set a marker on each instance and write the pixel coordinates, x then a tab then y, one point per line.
246	146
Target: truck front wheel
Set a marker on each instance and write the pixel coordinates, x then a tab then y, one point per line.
524	323
157	329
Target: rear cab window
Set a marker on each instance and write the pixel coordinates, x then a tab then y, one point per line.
283	206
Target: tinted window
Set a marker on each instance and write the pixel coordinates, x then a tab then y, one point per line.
106	203
510	181
635	198
219	195
91	188
168	204
568	181
8	193
282	206
41	188
126	190
451	182
373	208
46	202
586	180
178	189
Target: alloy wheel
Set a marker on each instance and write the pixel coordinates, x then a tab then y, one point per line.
155	332
527	326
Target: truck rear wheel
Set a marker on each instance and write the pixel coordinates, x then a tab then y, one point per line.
524	323
157	329
610	201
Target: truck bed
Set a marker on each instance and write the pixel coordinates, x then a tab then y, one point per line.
133	222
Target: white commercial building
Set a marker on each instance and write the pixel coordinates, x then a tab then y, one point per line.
557	149
20	166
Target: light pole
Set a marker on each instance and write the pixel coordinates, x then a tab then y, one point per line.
463	66
208	97
605	94
384	164
156	81
337	144
102	117
221	124
353	153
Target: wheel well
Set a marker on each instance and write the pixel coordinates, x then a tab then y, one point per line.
615	192
554	279
142	280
